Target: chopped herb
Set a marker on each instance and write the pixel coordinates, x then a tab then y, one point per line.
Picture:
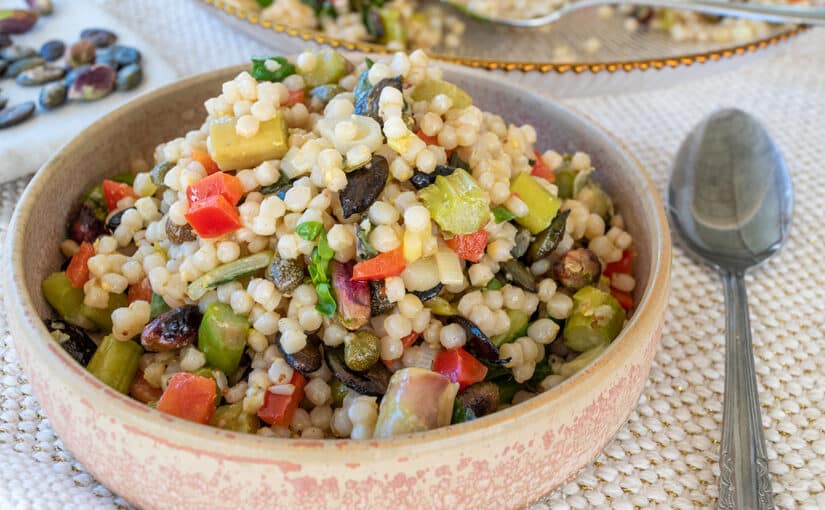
502	214
309	230
261	72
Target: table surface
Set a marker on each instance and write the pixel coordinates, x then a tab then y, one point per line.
666	455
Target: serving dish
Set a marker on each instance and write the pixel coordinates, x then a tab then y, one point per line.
554	60
157	461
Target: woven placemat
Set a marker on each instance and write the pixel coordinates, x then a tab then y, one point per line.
665	456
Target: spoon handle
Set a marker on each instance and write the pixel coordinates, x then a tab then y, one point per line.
744	482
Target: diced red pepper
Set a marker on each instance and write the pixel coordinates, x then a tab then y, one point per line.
279	409
410	339
141	291
459	366
190	397
206	161
219	183
623	265
295	97
624	299
213	217
78	270
383	265
429	140
540	169
115	191
469	246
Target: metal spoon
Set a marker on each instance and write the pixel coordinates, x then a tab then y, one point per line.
772	13
730	201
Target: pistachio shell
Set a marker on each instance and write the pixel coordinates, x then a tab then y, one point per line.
129	77
101	37
15	52
16	21
52	50
42	7
80	53
23	65
16	114
93	84
40	75
73	73
53	95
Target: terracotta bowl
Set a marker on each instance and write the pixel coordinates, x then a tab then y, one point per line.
157	461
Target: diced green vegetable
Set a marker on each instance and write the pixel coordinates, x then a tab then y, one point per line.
339	391
261	72
232	151
394	30
222	337
68	302
494	284
518	328
428	89
232	417
115	362
65	299
331	67
502	214
228	272
581	361
462	413
440	306
596	320
456	203
564	182
157	306
309	230
102	317
264	3
542	206
96	201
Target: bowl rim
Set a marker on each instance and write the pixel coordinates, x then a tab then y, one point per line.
19	305
609	67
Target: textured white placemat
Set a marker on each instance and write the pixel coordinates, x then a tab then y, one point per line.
665	457
25	147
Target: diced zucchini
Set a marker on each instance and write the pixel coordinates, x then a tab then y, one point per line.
232	417
232	151
518	328
457	203
116	362
229	272
541	205
596	320
428	89
222	337
331	67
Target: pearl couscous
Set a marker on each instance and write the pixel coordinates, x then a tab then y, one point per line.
343	250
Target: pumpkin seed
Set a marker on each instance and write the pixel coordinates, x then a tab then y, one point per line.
16	52
53	95
40	75
17	21
80	53
101	37
42	7
95	83
23	65
129	77
52	50
125	55
16	114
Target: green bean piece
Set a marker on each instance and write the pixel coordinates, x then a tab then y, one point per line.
115	362
222	337
65	299
102	317
596	320
564	182
228	272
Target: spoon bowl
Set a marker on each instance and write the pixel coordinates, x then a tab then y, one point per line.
730	200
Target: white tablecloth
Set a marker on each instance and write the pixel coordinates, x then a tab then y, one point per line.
665	456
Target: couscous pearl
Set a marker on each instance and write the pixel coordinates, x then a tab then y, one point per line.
417	219
559	306
452	336
247	126
384	238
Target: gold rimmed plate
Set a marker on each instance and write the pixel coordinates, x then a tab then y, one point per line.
563	57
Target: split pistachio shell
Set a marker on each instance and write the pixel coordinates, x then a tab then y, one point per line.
93	84
40	75
80	53
416	400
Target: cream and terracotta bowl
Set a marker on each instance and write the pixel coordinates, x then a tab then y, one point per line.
156	461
